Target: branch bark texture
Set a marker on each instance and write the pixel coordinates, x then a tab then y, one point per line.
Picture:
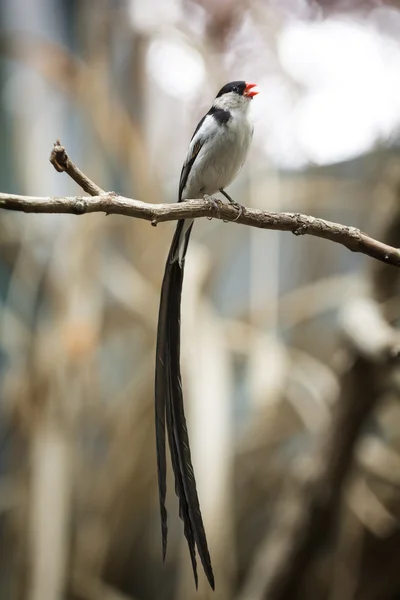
111	203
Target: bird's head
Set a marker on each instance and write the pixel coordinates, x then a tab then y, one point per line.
235	95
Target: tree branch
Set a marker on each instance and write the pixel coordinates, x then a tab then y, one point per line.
63	164
111	203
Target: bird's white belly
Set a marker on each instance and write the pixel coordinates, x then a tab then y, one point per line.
219	162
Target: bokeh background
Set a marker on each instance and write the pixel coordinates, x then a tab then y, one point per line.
289	343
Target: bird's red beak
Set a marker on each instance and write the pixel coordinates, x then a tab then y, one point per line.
248	91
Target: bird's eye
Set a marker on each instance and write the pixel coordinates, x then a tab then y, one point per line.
235	89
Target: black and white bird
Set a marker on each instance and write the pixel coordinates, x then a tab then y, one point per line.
216	153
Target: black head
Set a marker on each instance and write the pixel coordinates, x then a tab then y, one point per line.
241	88
238	87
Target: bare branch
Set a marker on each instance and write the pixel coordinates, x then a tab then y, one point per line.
63	164
111	203
299	224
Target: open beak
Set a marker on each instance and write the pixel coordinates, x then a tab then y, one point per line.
249	92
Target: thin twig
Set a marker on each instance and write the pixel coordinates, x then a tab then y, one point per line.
63	164
111	203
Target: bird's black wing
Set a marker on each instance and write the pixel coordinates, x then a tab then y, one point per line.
188	164
220	118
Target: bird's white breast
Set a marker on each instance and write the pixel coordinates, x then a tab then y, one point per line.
221	156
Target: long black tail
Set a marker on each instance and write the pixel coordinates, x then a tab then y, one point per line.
169	408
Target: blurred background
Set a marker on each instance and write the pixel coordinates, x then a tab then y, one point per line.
289	343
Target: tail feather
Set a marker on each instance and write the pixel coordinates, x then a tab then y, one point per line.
170	408
161	392
180	492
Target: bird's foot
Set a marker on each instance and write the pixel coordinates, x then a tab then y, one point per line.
238	206
215	204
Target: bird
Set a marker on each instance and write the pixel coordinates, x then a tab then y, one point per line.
217	151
